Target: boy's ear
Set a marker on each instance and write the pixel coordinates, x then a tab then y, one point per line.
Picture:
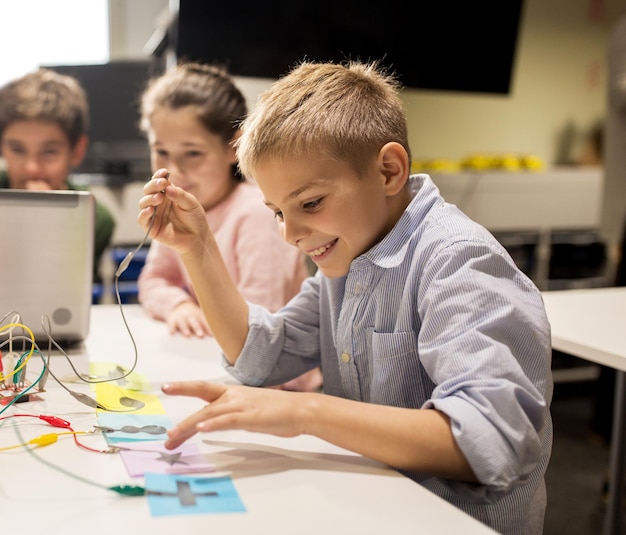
79	150
394	164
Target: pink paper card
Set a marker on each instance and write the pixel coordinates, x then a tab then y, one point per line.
142	457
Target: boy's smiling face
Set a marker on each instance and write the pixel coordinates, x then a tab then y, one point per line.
326	209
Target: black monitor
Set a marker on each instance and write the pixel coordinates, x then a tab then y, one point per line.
452	45
117	148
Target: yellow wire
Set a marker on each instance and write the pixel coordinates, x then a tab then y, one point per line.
43	440
32	348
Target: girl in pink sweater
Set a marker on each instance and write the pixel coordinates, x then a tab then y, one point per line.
191	116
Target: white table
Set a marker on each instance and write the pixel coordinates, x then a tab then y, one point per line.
591	324
298	485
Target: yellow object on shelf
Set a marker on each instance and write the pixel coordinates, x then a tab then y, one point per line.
532	163
477	162
480	163
434	165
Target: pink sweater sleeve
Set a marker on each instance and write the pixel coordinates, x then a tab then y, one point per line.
266	269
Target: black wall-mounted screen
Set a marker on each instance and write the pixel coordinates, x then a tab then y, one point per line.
453	45
116	145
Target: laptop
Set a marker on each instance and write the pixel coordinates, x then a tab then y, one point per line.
46	262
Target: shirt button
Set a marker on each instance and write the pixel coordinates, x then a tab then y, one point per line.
345	357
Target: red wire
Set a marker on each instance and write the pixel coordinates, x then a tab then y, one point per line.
81	445
55	421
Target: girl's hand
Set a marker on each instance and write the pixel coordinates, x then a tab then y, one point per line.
188	319
179	219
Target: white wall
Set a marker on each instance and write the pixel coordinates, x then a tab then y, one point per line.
558	80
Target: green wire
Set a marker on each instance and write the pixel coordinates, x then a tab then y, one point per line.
124	490
128	490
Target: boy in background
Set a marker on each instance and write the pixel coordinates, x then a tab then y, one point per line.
44	118
434	346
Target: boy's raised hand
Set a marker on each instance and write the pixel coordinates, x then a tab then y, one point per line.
179	219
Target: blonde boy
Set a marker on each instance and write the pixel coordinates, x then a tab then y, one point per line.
434	346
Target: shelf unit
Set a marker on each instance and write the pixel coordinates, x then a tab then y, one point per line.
533	211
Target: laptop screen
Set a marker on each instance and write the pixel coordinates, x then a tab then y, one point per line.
46	262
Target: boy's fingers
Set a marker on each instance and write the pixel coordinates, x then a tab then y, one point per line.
200	389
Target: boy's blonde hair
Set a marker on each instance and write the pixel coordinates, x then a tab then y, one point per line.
346	112
47	96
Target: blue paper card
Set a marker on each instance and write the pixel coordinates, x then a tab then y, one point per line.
133	427
187	495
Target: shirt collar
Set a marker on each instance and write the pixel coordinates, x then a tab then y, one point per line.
392	249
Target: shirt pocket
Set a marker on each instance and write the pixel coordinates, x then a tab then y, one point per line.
398	378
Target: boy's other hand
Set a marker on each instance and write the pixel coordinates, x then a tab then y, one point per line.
39	185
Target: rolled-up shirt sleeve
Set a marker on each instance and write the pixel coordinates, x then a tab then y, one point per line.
281	345
487	354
